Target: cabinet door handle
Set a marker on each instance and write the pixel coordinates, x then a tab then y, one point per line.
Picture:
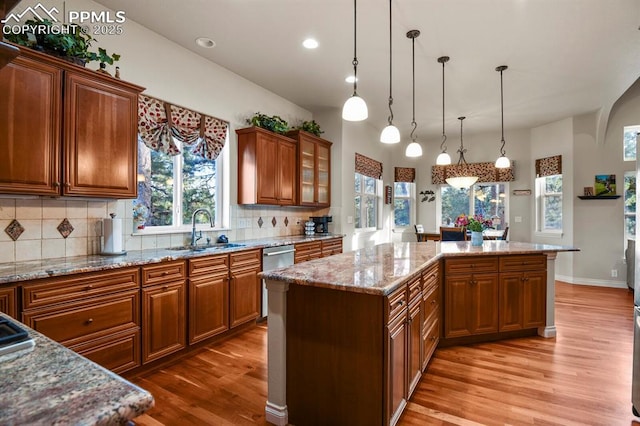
88	287
67	184
433	302
164	273
400	303
165	287
89	321
433	337
56	184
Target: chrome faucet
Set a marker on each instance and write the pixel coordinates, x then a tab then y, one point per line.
194	238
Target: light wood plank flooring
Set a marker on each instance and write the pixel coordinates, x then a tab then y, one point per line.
582	377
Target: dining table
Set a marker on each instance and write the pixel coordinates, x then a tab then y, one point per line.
487	234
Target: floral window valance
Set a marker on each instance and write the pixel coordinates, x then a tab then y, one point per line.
368	166
404	174
486	172
549	166
159	122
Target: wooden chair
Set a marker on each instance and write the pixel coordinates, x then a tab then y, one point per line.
420	233
419	228
453	234
504	234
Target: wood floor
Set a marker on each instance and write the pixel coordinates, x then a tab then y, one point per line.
582	377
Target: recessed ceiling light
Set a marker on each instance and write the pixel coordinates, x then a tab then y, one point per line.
310	43
351	79
205	42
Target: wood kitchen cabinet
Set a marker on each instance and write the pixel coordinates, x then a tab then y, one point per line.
397	366
8	302
431	302
331	246
66	130
163	309
208	297
266	168
471	296
414	334
522	292
95	314
314	169
308	250
244	286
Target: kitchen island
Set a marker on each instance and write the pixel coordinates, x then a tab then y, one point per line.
50	384
350	336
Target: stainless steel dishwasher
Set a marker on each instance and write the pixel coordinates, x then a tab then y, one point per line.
274	258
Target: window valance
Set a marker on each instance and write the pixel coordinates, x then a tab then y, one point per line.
549	166
486	172
404	174
368	166
160	121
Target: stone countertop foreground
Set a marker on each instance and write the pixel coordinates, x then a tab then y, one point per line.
44	268
51	384
380	269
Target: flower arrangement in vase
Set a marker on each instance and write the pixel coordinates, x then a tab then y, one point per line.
476	224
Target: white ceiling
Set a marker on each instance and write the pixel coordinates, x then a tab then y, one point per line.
565	57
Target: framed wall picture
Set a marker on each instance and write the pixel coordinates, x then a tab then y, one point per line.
604	185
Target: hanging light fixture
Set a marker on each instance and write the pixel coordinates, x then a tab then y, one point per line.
465	178
390	134
355	108
502	162
443	159
413	149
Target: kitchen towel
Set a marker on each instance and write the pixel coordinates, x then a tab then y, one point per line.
112	235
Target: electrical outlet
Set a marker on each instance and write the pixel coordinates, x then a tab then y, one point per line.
614	273
349	219
518	219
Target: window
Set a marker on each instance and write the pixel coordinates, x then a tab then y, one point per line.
630	133
403	201
486	199
366	202
629	206
173	187
549	203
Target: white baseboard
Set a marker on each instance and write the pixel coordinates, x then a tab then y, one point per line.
591	281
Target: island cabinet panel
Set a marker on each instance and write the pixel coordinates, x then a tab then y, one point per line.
96	314
208	297
266	168
8	301
336	370
244	286
163	310
523	290
431	309
66	130
397	368
471	298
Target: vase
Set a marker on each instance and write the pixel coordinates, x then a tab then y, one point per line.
476	238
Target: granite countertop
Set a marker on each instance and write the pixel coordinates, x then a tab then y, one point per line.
44	268
51	384
380	269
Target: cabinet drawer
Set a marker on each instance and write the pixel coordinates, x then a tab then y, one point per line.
211	265
163	272
246	259
331	247
308	251
65	289
396	303
430	339
471	264
415	289
528	262
431	302
91	319
430	278
118	353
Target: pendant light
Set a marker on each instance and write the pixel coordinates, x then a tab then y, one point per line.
502	162
390	134
466	179
413	149
355	108
443	159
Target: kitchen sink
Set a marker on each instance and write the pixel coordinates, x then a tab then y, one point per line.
209	247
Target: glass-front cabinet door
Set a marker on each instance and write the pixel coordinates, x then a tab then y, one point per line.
323	153
307	172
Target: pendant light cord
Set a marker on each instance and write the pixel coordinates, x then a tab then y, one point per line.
390	69
355	44
413	77
502	151
444	136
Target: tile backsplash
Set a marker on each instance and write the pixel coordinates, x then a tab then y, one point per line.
41	218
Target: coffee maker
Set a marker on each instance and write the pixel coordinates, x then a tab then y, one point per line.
322	223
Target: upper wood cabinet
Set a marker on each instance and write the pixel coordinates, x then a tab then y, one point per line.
66	130
7	53
266	168
314	169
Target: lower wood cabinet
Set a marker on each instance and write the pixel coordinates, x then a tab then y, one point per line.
307	251
523	292
95	314
163	309
244	286
397	367
8	304
208	297
331	246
